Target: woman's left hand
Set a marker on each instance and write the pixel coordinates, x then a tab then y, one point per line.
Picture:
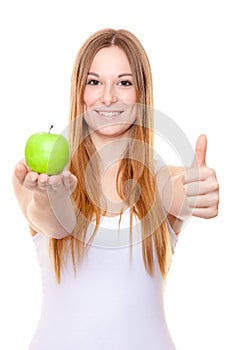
200	184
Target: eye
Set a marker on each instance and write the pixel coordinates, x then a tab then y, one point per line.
93	82
125	83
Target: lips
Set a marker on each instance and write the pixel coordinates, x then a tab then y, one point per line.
108	115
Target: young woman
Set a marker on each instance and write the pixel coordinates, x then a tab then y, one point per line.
105	229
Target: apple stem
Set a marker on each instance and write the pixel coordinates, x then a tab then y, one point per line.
50	129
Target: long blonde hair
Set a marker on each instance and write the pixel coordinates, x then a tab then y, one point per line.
137	163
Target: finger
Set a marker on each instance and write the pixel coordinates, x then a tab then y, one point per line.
205	213
31	180
55	182
209	200
202	187
21	171
69	180
200	152
42	181
198	174
73	182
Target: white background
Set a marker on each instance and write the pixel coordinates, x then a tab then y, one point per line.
198	53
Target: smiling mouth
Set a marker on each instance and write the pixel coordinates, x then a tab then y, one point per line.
109	115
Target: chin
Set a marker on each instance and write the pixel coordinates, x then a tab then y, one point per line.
114	130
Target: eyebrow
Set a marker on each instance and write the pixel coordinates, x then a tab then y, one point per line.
119	76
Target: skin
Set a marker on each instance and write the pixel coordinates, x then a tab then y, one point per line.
109	89
34	193
109	94
196	188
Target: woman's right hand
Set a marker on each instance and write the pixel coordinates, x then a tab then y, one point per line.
45	200
61	184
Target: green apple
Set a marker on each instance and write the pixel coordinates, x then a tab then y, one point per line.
47	153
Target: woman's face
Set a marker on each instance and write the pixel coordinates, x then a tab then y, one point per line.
110	95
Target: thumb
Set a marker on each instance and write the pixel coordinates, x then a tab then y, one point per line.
200	151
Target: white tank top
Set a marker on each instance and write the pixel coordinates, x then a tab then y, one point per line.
112	303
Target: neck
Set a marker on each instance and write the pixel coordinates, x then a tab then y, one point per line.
110	149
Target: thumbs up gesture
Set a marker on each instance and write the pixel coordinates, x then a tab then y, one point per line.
201	185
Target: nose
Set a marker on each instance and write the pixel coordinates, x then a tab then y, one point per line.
109	95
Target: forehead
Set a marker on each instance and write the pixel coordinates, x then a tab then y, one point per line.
110	60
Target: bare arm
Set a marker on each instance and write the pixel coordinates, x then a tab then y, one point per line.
192	191
45	200
172	195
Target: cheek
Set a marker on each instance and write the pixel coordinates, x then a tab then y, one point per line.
133	96
89	98
129	96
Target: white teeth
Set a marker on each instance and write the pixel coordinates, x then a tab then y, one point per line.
108	114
